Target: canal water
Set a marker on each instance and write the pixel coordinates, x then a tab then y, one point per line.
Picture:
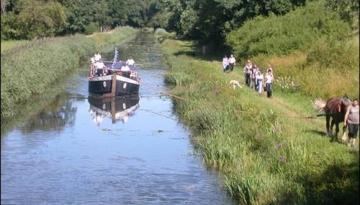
80	150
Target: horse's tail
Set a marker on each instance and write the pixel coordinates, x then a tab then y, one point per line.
319	104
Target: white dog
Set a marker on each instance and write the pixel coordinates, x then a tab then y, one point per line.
235	84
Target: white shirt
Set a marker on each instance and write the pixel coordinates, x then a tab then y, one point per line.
97	57
99	65
225	62
130	62
247	68
232	60
260	76
125	68
269	78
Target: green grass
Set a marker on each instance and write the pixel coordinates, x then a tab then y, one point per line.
310	47
7	45
29	71
282	34
267	151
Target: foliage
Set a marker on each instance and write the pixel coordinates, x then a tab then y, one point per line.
209	21
296	30
162	34
91	28
28	19
36	19
347	9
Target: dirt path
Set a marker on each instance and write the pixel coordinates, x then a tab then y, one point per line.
279	103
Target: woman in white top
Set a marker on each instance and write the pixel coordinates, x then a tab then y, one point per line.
352	121
259	79
225	63
269	78
247	72
232	62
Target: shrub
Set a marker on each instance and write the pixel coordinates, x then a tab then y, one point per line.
91	28
298	29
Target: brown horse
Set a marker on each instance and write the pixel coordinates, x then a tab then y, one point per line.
335	109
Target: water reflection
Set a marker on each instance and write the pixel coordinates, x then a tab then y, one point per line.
54	117
115	108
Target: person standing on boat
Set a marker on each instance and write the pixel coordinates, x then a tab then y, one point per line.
99	66
352	121
269	78
125	68
130	62
97	56
225	63
232	62
247	72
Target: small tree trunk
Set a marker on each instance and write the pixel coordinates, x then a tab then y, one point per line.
3	6
204	50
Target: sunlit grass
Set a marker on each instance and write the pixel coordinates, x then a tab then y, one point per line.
7	45
267	149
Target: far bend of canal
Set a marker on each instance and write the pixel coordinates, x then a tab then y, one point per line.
82	151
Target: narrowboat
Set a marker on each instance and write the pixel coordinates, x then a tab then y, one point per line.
113	78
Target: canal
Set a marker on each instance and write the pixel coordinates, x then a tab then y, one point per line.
80	150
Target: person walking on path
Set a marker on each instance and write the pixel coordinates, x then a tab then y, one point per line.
257	69
252	77
225	63
269	78
352	121
232	62
247	72
259	79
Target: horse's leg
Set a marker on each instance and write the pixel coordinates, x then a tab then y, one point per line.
327	125
336	130
331	128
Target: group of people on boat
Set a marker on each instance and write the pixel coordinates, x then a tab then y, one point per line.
255	79
98	67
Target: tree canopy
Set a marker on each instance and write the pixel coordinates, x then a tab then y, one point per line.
208	21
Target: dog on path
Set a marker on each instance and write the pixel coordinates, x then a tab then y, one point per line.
235	84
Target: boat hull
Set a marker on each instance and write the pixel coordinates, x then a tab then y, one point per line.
113	85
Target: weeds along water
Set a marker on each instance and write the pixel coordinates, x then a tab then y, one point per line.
266	155
30	68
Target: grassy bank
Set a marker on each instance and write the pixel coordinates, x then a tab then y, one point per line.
7	45
28	69
312	49
267	150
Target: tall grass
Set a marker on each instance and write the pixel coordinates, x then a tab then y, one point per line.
106	40
7	45
311	50
29	70
266	151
